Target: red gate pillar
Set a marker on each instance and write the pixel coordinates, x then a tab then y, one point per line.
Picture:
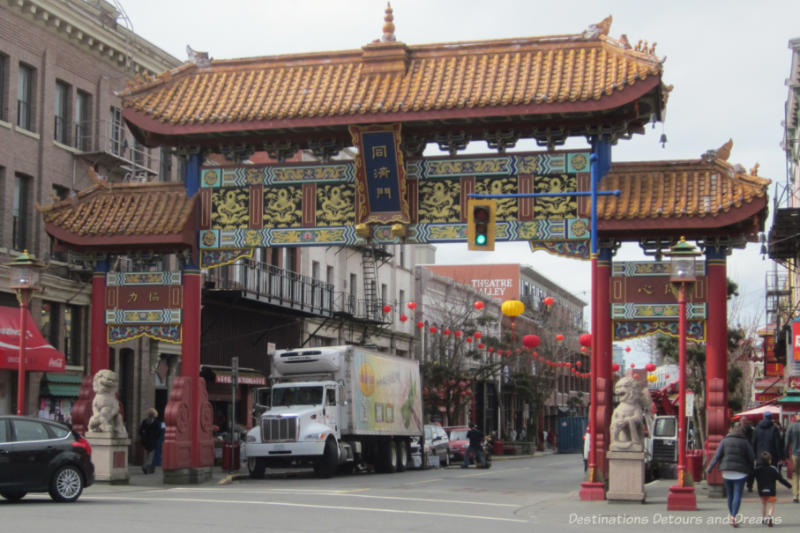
81	411
99	349
600	363
716	359
604	358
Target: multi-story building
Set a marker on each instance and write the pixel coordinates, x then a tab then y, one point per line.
783	283
61	66
550	310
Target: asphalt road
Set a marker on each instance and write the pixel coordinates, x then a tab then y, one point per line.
522	494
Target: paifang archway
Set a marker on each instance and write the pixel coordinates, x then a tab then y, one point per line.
543	88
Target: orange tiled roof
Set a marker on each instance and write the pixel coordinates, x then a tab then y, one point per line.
389	81
121	211
658	193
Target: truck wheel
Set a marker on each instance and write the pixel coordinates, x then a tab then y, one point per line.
402	455
256	467
389	457
327	464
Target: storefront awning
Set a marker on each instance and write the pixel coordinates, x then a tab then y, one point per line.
60	385
223	376
39	355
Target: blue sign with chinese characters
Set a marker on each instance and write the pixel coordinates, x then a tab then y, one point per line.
380	175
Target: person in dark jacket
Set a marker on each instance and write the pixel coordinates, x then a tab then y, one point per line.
792	442
149	433
475	437
766	476
766	438
735	458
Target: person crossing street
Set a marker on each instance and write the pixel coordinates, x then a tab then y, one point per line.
475	437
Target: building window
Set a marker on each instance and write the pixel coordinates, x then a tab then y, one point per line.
165	164
329	275
402	300
25	97
83	121
3	87
116	137
315	270
384	293
61	112
402	256
72	334
19	212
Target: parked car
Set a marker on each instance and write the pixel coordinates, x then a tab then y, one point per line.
458	442
39	455
436	444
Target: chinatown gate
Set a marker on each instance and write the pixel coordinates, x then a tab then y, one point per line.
390	100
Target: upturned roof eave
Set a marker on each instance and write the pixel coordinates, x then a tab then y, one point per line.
147	128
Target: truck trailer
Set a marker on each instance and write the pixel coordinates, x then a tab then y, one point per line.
337	408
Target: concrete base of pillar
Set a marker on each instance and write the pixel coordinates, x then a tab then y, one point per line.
681	499
625	476
187	476
592	490
110	458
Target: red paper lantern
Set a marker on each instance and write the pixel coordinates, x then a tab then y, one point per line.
491	349
549	301
468	339
583	349
420	324
481	345
479	305
627	348
559	337
387	308
403	318
433	329
457	333
412	305
508	353
615	367
585	339
446	331
530	341
633	365
535	355
578	364
666	376
649	367
477	334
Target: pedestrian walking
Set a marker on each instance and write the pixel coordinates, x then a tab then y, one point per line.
793	454
767	474
766	438
735	458
475	437
149	433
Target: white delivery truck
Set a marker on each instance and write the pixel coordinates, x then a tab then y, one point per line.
337	407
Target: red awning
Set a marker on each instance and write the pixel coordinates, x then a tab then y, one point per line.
758	412
39	355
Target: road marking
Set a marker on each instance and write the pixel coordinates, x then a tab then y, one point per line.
350	495
325	507
350	491
426	481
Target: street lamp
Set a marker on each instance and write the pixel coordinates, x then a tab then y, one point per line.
683	256
24	278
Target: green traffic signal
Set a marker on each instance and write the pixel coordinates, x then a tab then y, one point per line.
480	239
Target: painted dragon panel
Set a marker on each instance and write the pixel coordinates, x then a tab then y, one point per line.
506	207
230	208
555	206
283	206
439	201
335	205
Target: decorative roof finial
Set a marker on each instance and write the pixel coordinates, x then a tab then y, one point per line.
388	28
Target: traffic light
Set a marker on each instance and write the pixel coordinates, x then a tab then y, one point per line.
481	224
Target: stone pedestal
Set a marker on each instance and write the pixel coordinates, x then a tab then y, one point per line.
187	476
625	476
110	457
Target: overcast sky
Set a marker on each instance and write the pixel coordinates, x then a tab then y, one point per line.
728	61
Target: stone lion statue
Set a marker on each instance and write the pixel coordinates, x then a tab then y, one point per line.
106	417
628	419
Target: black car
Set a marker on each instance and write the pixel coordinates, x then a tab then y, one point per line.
39	455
